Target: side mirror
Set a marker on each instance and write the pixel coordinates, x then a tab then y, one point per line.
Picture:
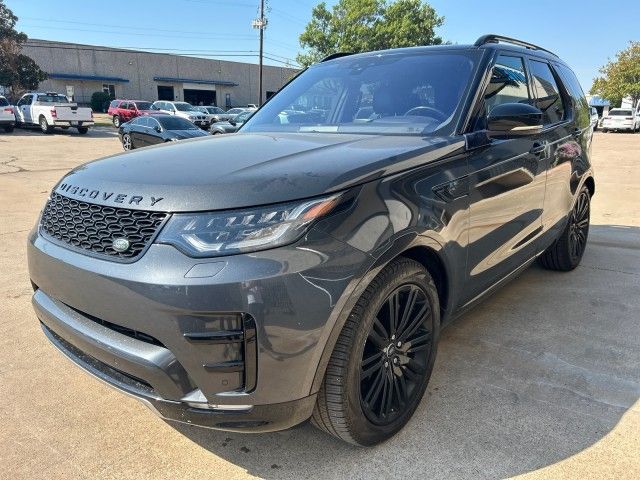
514	120
158	128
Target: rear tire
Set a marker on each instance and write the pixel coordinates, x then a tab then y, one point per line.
44	125
566	252
83	130
604	130
116	121
127	143
375	378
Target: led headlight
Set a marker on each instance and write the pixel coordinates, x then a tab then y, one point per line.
211	234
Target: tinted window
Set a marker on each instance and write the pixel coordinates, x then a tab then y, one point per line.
26	100
580	104
621	113
152	122
176	123
124	105
54	98
137	121
3	102
214	110
409	93
235	111
143	105
243	117
508	83
548	98
184	107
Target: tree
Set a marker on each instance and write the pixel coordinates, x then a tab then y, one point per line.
364	25
18	72
620	77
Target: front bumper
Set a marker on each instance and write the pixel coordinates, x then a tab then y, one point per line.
133	325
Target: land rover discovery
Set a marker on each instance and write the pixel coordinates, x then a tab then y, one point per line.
304	267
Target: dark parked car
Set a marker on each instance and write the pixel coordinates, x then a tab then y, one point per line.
231	126
122	111
152	130
305	269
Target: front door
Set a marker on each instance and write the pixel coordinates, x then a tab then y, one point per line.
507	186
23	109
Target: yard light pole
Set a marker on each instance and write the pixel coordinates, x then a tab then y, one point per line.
260	23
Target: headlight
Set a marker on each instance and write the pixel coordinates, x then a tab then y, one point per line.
224	233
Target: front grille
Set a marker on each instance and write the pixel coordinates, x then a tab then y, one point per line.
93	228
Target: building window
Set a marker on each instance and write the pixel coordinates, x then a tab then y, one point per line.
110	89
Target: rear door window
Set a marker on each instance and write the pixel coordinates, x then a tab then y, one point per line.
548	97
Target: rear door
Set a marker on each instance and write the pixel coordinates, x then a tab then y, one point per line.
568	127
507	183
137	132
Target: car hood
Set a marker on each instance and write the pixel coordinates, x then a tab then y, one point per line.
247	169
183	134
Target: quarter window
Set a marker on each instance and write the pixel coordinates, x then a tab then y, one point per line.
548	98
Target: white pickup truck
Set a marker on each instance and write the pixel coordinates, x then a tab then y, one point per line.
49	110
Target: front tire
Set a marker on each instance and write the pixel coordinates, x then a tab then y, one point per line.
9	128
566	252
44	125
83	130
383	358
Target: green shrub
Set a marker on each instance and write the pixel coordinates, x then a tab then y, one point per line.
100	101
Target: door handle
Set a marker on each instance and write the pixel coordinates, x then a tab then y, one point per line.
538	148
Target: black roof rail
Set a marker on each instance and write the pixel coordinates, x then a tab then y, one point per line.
493	38
335	55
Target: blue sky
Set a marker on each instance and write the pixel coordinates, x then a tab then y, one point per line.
584	33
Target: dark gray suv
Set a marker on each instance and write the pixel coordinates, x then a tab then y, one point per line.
305	266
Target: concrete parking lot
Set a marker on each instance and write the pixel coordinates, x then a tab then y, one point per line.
542	380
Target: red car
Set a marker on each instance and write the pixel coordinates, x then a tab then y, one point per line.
124	110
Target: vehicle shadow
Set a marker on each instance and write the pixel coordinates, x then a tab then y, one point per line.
94	132
537	373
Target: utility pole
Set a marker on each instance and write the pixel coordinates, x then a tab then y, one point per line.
260	23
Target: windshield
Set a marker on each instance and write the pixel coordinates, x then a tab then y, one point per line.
176	123
622	113
184	107
143	105
401	93
53	98
214	109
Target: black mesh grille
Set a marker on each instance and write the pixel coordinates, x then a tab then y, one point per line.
93	227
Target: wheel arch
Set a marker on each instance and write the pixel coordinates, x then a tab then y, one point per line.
424	250
590	183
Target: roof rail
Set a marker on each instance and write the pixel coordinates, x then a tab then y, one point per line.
493	38
335	55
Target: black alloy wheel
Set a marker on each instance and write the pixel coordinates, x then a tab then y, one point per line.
566	252
579	226
382	360
395	354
